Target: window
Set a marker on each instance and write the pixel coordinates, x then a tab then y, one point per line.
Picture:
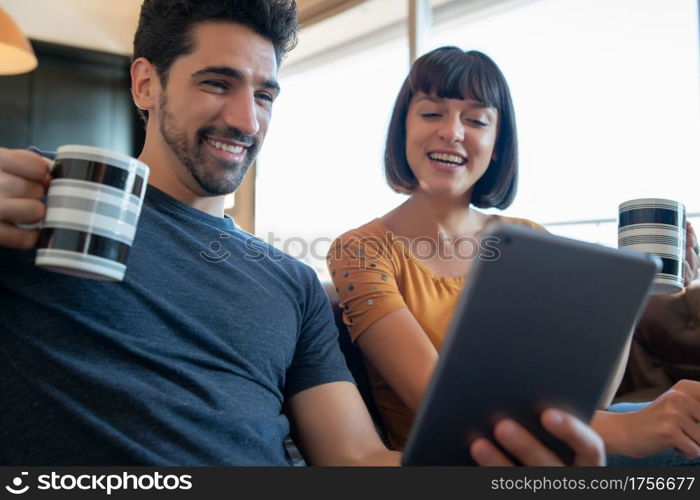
606	98
320	172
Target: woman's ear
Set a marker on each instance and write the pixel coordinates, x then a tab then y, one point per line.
145	84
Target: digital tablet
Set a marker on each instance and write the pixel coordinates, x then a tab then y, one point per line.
542	322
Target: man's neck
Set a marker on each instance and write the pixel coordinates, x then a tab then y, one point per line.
171	177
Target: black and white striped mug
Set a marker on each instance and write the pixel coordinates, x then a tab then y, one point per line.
92	208
656	226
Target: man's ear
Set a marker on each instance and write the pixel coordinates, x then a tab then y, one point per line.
145	84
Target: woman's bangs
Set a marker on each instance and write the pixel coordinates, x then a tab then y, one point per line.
456	76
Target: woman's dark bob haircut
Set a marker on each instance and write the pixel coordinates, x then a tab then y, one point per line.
449	72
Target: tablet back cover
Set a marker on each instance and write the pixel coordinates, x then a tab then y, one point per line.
542	325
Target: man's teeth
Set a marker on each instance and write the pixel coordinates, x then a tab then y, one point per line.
225	147
447	158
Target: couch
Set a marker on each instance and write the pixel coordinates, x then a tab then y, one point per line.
665	347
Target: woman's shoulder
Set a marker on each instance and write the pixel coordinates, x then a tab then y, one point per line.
520	221
372	238
373	231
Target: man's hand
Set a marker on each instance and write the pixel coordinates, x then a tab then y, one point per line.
692	255
24	177
670	421
586	444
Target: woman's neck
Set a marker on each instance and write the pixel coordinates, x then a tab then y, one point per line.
435	216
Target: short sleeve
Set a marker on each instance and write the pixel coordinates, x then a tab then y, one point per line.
364	274
522	222
317	358
533	225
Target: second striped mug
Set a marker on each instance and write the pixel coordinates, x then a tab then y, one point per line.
92	208
656	226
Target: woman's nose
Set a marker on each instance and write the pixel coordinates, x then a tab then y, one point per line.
452	131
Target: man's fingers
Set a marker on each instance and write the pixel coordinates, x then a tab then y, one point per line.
485	453
12	186
23	164
14	237
587	445
523	445
23	177
22	211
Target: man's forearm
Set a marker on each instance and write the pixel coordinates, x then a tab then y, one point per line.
376	457
383	457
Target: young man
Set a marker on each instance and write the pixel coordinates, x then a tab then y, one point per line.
191	362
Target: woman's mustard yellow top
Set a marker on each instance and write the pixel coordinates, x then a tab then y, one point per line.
375	273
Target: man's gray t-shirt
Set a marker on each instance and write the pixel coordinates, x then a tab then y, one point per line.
188	361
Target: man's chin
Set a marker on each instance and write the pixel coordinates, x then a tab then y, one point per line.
220	186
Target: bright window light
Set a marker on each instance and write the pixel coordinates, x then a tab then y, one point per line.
320	170
606	97
230	201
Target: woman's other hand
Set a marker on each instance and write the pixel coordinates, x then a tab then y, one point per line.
692	254
670	421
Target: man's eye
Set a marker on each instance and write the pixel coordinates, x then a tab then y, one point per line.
217	84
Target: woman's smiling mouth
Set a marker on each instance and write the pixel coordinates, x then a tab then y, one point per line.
446	162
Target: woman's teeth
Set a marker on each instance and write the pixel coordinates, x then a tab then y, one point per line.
447	158
225	147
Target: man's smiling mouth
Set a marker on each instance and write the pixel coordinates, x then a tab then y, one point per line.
229	148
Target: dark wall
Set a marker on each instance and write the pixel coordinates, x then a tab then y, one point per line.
75	96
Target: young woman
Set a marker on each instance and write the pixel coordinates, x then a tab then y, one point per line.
452	145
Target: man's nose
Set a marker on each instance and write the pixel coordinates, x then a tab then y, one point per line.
452	130
241	112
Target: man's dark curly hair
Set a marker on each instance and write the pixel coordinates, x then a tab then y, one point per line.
165	26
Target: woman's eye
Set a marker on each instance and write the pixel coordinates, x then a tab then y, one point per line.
264	96
478	123
430	115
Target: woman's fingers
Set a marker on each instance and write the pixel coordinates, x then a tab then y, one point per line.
692	254
687	440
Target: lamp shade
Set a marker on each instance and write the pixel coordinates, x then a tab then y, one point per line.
16	53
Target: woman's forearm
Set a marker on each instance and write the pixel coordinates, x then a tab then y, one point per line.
611	427
615	381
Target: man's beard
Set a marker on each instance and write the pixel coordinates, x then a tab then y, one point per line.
214	181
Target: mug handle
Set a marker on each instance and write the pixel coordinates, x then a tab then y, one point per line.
38	225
